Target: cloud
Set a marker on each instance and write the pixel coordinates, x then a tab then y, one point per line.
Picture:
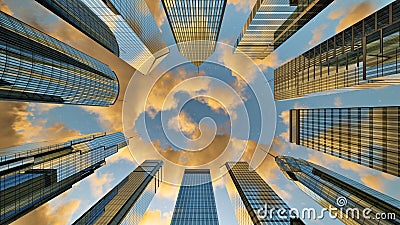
152	217
47	215
168	191
100	183
4	8
317	33
373	181
157	12
272	60
43	107
183	122
242	5
281	192
11	114
353	14
123	154
337	102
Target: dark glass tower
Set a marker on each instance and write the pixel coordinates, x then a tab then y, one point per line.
249	193
272	22
326	187
195	25
362	56
82	18
368	136
196	203
30	178
36	67
139	38
128	201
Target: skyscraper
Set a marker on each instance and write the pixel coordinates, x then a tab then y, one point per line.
272	22
249	194
138	36
368	136
195	204
31	178
362	56
82	18
36	67
332	190
195	25
127	202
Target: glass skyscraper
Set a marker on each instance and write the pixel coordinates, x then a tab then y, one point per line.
368	136
82	18
195	25
362	56
249	194
36	67
272	22
126	203
30	178
139	38
332	190
196	203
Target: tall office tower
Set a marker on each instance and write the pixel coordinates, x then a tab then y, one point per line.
36	67
30	178
362	56
196	203
368	136
82	18
127	202
195	25
138	36
272	22
332	190
249	193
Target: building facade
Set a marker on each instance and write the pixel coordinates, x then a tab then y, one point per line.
362	56
252	198
128	201
195	25
332	190
272	22
36	67
138	36
28	179
196	203
82	18
368	136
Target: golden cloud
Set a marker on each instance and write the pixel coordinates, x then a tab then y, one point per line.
242	5
4	8
317	33
183	122
100	183
354	13
152	217
47	215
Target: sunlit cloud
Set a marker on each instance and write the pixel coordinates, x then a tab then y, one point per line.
49	215
152	217
4	8
100	183
352	14
242	5
317	34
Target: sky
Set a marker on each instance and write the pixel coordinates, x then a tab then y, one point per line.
227	114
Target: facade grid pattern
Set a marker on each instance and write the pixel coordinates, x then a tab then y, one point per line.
131	48
196	203
37	67
362	56
82	18
249	193
366	136
272	22
128	201
195	26
30	179
325	187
